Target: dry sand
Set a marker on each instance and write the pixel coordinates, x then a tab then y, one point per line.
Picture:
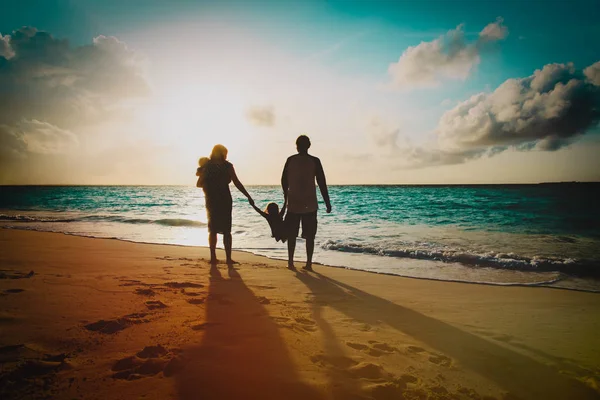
105	319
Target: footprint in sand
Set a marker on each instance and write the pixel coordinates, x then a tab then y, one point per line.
181	285
440	359
304	324
199	300
118	324
148	362
145	292
357	346
12	274
415	349
263	300
376	349
367	371
155	304
203	326
11	291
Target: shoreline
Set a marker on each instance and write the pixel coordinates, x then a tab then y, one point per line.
546	284
115	319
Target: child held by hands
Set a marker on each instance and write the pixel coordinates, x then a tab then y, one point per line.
275	219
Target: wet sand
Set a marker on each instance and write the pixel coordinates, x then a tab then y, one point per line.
97	319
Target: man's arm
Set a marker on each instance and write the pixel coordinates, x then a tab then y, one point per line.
284	179
322	182
282	211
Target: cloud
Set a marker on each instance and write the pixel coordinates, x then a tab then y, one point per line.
5	49
48	80
448	57
383	134
545	111
494	31
54	96
261	116
592	73
49	89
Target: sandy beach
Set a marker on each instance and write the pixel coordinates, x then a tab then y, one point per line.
97	318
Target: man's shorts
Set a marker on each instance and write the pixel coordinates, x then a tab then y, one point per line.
309	224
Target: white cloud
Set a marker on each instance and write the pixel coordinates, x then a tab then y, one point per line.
5	49
544	111
593	73
261	116
383	134
44	138
448	57
494	31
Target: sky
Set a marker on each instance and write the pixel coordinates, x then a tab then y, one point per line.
390	92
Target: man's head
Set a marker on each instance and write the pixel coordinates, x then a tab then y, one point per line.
302	144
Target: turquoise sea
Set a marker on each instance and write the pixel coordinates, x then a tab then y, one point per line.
546	234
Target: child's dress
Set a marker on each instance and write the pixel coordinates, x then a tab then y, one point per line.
277	228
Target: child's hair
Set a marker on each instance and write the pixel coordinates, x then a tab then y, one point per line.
272	209
202	161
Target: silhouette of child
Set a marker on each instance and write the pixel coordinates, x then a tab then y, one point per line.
200	171
275	219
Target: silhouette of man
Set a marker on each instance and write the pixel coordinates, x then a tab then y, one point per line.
298	183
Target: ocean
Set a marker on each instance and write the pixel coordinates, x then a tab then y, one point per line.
538	235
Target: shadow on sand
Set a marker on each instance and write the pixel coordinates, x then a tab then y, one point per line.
512	371
242	355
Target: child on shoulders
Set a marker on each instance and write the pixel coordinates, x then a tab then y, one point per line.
200	171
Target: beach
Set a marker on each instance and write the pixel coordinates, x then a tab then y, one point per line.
100	318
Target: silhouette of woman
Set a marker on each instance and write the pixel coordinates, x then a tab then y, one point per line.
218	173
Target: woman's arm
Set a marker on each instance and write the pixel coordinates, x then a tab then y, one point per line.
239	185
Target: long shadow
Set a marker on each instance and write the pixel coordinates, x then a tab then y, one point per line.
341	385
514	372
241	355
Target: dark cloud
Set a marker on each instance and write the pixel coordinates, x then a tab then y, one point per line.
450	56
44	79
52	92
261	116
545	111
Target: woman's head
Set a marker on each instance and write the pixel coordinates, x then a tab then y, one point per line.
272	209
219	152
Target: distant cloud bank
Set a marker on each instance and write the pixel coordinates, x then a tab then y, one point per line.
449	57
545	111
49	89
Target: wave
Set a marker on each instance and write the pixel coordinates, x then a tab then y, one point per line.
587	268
104	218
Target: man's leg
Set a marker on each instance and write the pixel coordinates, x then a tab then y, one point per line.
309	231
292	224
310	248
291	249
212	243
227	244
